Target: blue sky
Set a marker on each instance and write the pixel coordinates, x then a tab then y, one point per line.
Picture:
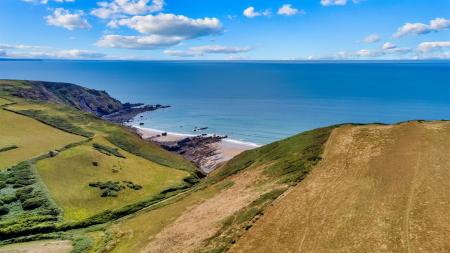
225	29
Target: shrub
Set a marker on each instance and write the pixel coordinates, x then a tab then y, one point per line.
8	198
109	193
107	150
7	148
24	193
4	210
2	185
33	203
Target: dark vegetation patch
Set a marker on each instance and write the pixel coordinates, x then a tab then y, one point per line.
25	207
112	188
107	150
111	215
7	148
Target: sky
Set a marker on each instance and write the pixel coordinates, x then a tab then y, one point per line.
225	29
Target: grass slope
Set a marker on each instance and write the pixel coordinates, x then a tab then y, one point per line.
81	123
288	160
146	173
378	189
68	175
32	138
245	186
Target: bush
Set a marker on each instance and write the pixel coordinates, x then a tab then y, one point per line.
109	193
8	198
107	150
24	193
33	203
4	210
4	149
2	185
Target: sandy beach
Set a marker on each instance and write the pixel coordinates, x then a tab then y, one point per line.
225	149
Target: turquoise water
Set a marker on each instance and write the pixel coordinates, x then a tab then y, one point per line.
259	102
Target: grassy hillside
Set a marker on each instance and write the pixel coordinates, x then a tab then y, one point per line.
225	205
69	174
31	137
378	189
288	160
97	171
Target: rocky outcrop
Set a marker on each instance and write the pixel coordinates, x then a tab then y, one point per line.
199	149
97	102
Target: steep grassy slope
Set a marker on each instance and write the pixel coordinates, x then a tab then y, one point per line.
378	189
75	168
31	137
85	124
211	217
287	160
101	171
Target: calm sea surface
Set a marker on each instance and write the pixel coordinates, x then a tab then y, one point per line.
259	102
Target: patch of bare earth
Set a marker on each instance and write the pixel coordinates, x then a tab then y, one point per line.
197	224
38	247
378	189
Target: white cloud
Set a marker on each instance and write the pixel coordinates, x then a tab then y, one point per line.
371	38
250	12
288	10
333	2
46	1
337	2
435	25
117	8
36	1
208	49
138	42
161	30
431	46
32	51
23	47
172	25
388	46
66	19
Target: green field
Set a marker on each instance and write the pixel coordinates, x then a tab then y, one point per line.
75	121
68	175
33	138
4	101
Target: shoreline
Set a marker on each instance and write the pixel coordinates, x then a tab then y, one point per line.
173	135
206	155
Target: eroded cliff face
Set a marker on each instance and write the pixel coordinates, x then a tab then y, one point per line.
97	102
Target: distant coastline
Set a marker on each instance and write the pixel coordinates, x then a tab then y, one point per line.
185	135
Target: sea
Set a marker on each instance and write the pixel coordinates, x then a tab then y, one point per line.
258	102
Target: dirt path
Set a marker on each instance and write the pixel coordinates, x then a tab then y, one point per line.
379	189
38	247
202	221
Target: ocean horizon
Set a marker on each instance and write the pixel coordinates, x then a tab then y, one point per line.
262	101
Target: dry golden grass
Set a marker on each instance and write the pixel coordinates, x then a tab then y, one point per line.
379	189
47	246
32	137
